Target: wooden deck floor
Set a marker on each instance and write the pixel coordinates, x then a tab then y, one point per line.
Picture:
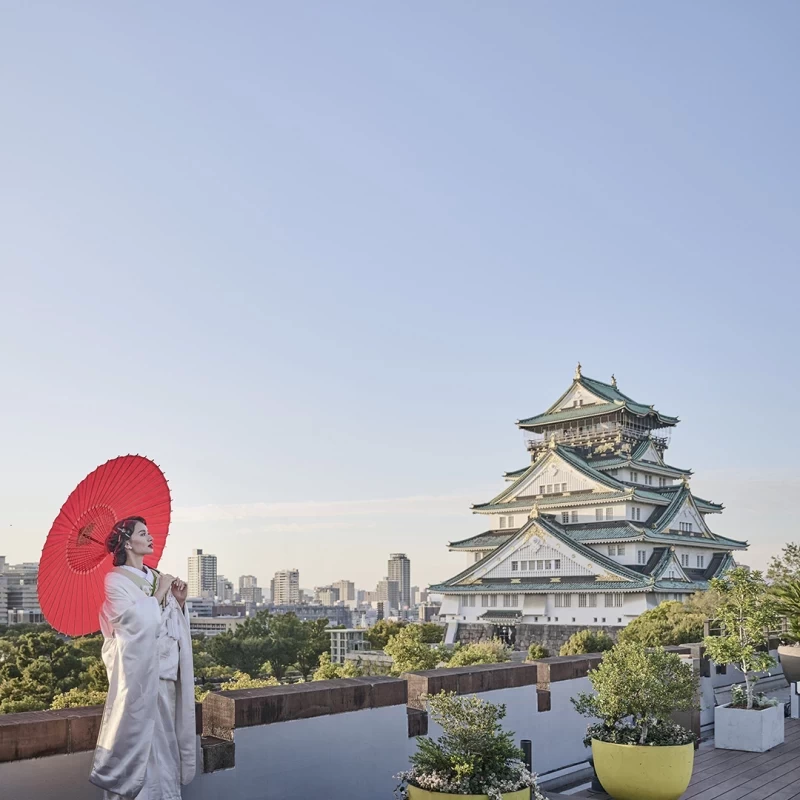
731	775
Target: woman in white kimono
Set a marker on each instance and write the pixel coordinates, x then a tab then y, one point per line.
146	745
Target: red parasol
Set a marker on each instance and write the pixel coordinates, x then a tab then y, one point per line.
74	559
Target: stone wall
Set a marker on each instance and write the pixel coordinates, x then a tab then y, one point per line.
551	637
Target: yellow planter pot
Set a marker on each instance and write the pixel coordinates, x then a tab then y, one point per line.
423	794
630	772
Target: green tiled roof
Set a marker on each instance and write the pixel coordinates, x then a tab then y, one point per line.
501	614
628	531
510	588
487	539
615	401
516	472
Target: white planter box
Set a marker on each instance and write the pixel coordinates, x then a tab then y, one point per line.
752	731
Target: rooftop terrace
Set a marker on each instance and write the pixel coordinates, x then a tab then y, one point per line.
348	738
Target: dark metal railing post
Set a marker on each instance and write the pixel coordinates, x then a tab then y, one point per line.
527	753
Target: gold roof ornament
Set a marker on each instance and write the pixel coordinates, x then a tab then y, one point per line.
685	480
534	512
578	371
613	380
552	444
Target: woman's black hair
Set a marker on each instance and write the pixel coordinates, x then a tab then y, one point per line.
120	533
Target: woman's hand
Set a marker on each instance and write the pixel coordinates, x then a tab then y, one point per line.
179	591
164	583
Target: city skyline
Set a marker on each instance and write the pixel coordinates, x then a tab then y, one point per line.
304	289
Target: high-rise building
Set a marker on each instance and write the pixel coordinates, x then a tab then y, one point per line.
202	574
249	590
388	592
326	595
19	596
414	595
595	529
400	571
224	589
285	587
347	590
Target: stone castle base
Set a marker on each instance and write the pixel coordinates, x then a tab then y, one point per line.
551	637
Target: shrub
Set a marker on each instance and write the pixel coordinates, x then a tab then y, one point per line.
327	670
636	691
491	652
536	651
409	652
78	698
474	756
586	642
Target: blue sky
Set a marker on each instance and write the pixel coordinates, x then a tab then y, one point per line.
315	259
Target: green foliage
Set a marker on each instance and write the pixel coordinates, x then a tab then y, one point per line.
536	651
78	698
786	566
672	622
586	642
36	666
432	632
787	603
745	615
636	691
90	646
473	756
410	652
379	634
491	652
314	641
760	700
240	680
327	671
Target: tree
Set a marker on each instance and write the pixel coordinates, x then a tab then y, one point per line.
410	652
240	680
786	566
245	654
787	601
636	690
536	651
327	671
36	666
432	632
586	642
78	698
491	652
379	634
745	616
314	641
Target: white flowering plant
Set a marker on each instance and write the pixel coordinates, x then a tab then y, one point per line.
473	756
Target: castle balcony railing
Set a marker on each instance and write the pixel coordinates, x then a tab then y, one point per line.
599	432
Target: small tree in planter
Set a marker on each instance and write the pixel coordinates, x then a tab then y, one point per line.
474	756
636	690
746	615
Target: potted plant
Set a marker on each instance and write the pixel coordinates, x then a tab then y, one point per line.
639	754
474	758
787	600
745	616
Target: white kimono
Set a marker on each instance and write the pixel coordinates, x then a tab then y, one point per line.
146	745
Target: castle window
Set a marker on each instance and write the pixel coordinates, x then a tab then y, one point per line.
563	601
509	600
524	566
502	523
620	549
549	488
563	487
565	517
514	566
511	522
598	514
484	601
609	513
634	476
557	563
612	549
541	489
662	481
582	600
641	557
648	479
701	561
685	560
618	600
593	601
540	564
548	564
686	527
609	601
574	516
